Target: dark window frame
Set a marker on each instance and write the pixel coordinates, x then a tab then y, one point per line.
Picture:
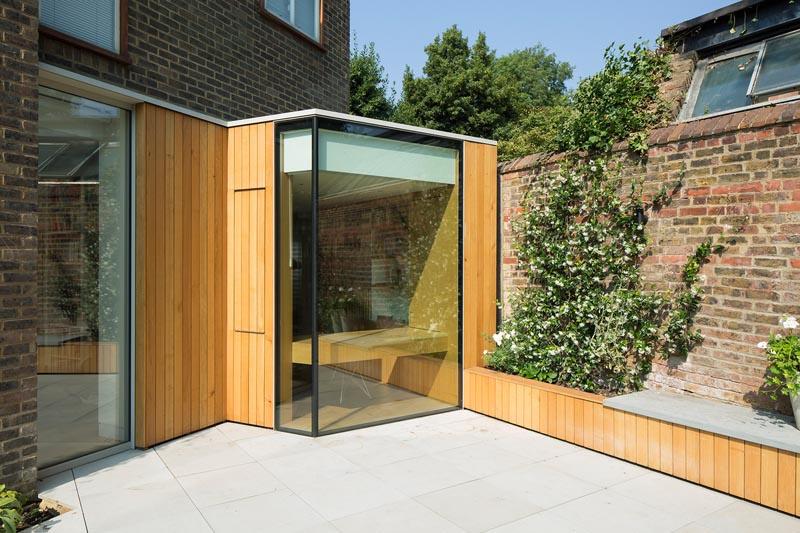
122	25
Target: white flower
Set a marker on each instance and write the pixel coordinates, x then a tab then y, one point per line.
498	338
486	352
778	336
789	323
762	345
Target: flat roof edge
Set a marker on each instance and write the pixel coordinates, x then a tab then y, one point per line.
721	12
64	79
308	113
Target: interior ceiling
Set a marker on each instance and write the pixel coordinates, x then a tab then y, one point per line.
337	188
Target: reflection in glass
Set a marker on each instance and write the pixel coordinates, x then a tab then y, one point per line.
780	67
295	294
387	278
83	361
725	85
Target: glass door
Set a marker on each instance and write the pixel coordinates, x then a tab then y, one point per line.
369	276
83	278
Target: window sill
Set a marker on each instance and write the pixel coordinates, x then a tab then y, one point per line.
297	33
732	121
768	103
121	57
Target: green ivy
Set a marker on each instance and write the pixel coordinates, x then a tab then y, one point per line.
619	103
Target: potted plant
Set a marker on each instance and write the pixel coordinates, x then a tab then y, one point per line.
783	352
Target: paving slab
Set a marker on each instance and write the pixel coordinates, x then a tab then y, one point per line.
457	471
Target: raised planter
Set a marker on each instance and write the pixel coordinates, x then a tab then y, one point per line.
752	471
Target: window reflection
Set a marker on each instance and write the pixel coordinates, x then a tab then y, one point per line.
387	275
83	282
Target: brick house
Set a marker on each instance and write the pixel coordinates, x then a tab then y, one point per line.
736	129
72	82
182	245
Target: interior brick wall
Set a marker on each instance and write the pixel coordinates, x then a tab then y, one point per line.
222	58
18	227
742	180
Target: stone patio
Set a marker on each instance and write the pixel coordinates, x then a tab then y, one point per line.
459	471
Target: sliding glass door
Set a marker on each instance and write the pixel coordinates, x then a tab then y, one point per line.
83	349
369	275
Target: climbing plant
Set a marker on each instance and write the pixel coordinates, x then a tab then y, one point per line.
584	318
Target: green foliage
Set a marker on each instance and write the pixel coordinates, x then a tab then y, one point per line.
11	503
584	319
536	130
369	84
540	78
783	353
680	335
619	103
461	90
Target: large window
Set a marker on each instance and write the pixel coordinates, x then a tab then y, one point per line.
303	15
749	75
94	22
83	357
368	276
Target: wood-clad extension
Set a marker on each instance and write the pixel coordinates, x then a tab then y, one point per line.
480	250
250	302
751	471
204	276
180	274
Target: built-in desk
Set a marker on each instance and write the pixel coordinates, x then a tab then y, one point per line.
384	346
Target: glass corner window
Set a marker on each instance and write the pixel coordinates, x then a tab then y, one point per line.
97	23
304	15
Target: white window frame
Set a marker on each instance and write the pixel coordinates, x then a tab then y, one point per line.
756	98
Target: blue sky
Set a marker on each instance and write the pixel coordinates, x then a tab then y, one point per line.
576	31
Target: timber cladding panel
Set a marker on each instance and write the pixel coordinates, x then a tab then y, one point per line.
480	250
751	471
180	335
250	303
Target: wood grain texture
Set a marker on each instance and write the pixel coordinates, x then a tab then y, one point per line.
180	193
250	258
480	250
757	473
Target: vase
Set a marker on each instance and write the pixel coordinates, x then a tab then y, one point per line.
795	399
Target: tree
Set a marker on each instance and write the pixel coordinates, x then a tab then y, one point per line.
369	85
461	90
541	78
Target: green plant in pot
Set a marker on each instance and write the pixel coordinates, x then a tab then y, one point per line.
11	503
783	353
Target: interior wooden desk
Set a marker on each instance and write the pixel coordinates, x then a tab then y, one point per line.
384	345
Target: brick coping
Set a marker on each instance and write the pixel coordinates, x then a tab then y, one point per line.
734	421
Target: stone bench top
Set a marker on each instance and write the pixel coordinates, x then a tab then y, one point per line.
738	422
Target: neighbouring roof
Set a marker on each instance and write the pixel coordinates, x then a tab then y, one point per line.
734	25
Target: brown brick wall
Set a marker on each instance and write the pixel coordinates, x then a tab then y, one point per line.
742	180
221	58
18	226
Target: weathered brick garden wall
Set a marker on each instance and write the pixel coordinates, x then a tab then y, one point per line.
18	162
742	181
222	58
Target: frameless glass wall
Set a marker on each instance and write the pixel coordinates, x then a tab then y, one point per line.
83	355
369	270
